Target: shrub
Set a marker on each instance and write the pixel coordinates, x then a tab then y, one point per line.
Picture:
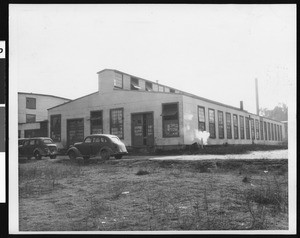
142	172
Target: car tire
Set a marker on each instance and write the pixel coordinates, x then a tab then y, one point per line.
72	155
52	156
104	154
37	155
118	156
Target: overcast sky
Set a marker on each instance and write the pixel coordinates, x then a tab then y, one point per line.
214	51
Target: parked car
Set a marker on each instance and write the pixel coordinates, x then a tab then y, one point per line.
37	147
103	145
21	141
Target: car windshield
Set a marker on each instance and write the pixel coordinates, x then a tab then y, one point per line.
48	141
115	139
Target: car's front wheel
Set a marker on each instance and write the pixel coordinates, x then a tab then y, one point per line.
104	154
37	155
72	155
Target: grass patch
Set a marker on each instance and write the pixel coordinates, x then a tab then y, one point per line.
180	195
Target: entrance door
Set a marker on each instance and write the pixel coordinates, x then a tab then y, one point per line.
142	129
75	131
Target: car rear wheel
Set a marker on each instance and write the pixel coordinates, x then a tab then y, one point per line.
118	156
52	156
72	155
104	154
37	155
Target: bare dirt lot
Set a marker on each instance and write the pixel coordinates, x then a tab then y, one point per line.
138	193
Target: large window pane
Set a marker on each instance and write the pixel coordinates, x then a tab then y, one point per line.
170	120
30	103
201	118
221	124
242	127
235	127
212	123
116	122
228	125
96	122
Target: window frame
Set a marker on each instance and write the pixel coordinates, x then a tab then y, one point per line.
242	127
235	126
261	125
92	119
257	129
212	123
269	131
221	125
228	126
163	120
135	85
252	128
266	130
199	122
280	132
122	81
247	126
28	104
33	116
148	86
111	124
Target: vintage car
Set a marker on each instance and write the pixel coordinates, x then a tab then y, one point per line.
103	145
37	147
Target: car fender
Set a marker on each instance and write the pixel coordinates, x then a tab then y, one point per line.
106	148
74	149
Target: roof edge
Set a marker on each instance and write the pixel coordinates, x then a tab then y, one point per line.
40	94
73	100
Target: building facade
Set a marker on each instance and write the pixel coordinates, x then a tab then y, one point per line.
143	113
33	114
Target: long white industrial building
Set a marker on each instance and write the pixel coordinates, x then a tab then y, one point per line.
143	113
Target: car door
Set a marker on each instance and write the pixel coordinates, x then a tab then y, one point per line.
96	145
29	149
85	147
22	148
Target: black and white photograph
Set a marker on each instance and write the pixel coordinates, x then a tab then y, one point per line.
152	118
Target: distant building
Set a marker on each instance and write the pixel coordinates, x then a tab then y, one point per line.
33	114
143	113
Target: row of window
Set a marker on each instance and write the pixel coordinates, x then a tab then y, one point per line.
96	119
169	116
255	129
135	84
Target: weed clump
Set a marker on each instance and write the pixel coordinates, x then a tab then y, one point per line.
142	172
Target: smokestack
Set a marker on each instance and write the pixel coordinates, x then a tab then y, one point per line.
256	94
241	105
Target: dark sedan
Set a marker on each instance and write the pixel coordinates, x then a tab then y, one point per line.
103	145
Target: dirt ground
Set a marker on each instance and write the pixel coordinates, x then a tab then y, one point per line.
149	193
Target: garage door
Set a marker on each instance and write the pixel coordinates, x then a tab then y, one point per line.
75	131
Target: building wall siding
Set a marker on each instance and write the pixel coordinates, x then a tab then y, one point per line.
190	127
131	101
